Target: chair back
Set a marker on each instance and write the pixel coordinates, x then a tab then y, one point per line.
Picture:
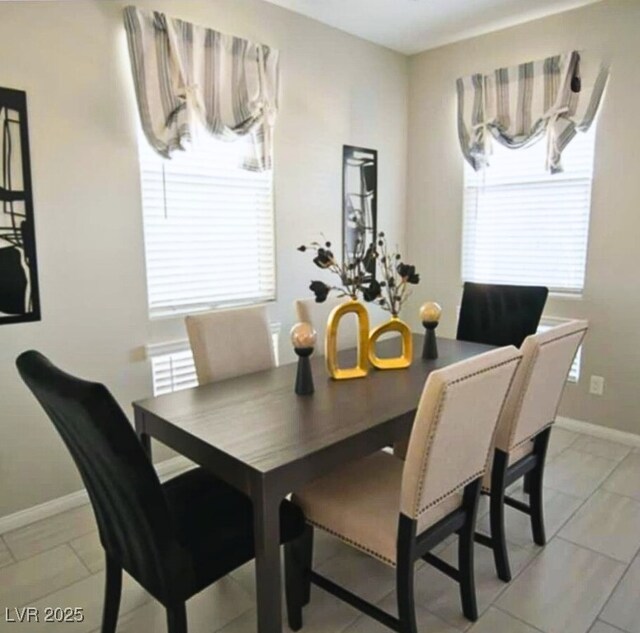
130	509
500	315
454	428
537	387
229	343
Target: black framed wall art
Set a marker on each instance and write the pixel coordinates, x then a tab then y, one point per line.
19	296
359	200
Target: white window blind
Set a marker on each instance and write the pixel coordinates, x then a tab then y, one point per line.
172	365
209	235
173	371
524	226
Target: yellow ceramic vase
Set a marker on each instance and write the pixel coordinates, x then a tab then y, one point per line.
331	341
399	362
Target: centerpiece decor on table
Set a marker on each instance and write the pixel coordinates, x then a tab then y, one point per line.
391	293
357	277
351	273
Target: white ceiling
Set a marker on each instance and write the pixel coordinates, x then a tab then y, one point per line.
411	26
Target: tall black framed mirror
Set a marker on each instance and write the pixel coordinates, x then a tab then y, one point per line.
359	200
19	296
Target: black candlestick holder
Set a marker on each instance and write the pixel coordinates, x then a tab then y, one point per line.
304	377
430	347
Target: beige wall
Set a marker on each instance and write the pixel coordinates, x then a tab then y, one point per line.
611	299
70	57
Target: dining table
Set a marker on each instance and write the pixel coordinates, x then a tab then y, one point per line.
255	433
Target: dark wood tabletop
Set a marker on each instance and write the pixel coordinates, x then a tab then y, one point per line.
257	434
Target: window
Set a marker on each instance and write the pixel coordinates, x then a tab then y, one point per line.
524	226
208	224
172	365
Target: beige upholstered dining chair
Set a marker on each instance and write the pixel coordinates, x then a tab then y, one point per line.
229	343
523	432
397	511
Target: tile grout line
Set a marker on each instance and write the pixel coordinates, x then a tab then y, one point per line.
613	492
75	551
65	542
535	557
619	460
598	485
88	575
559	538
622	575
606	602
593	551
515	617
615	628
12	558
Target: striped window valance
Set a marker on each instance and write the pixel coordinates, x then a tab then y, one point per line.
187	75
556	98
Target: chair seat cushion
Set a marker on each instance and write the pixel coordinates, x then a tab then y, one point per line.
515	455
214	523
360	503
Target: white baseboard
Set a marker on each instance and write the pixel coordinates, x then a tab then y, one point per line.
602	432
165	470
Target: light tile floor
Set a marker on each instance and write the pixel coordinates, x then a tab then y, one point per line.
586	580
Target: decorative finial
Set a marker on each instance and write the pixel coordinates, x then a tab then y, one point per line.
430	312
430	316
303	336
303	339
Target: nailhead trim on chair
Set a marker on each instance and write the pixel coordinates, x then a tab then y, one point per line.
427	453
441	498
364	548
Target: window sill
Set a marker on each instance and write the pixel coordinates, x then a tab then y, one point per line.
566	295
180	313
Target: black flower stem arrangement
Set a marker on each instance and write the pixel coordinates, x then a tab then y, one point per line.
352	272
397	279
391	294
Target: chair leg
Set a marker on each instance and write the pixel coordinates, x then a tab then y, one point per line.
526	484
465	553
405	576
536	491
298	556
537	511
177	618
112	593
496	515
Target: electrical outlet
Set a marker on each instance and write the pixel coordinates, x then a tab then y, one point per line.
596	386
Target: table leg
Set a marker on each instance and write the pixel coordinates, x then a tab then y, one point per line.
266	526
145	439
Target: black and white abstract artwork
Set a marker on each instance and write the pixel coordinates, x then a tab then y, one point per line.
360	200
19	297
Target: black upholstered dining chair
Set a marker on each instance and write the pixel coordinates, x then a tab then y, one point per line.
175	538
498	314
